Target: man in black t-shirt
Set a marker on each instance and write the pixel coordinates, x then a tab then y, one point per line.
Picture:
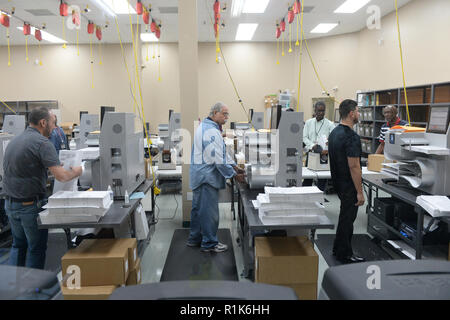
25	164
344	149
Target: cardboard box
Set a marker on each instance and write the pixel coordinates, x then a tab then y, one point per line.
304	291
375	162
134	277
131	244
67	127
88	293
102	262
285	260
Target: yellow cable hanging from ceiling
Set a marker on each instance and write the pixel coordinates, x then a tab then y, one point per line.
401	59
92	62
78	47
4	103
290	37
64	32
298	43
278	50
300	58
154	51
282	44
159	61
40	54
26	48
9	47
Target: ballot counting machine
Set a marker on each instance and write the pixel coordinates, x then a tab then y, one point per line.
169	134
423	158
274	157
88	123
121	161
13	124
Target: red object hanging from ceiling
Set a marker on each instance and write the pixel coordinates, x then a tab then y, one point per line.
217	7
139	8
153	26
297	7
98	33
146	17
4	20
216	29
283	25
90	27
76	18
63	9
158	33
278	32
26	29
291	16
38	35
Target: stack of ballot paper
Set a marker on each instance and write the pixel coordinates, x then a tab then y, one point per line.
297	205
436	206
76	206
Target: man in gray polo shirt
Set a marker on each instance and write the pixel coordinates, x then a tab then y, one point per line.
25	164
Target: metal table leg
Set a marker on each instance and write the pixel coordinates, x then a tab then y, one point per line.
68	237
419	235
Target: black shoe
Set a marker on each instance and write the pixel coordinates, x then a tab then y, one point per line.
351	259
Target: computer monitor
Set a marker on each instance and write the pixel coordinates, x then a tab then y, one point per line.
438	120
337	115
103	110
275	117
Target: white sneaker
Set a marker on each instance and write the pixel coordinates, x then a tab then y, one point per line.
220	247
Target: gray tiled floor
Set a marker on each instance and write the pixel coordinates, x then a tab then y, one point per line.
155	255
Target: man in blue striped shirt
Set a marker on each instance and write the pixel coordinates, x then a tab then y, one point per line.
391	116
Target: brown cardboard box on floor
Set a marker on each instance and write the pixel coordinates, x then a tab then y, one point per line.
289	261
134	277
375	162
102	262
88	293
131	244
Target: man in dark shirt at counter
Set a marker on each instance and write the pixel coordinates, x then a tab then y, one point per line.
25	164
344	148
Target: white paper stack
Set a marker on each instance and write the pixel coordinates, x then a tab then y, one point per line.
288	206
76	206
436	206
90	153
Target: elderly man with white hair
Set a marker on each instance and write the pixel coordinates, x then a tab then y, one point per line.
210	167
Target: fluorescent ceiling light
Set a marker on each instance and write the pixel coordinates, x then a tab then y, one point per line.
113	7
46	36
246	31
236	8
255	6
324	27
351	6
148	37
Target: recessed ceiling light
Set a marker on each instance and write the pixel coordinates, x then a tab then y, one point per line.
324	27
149	37
351	6
46	36
113	7
246	31
255	6
236	8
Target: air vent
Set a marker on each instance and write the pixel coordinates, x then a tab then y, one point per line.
40	12
168	10
307	9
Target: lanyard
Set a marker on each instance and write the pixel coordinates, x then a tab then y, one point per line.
317	132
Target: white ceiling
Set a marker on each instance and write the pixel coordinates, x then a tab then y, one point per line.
322	12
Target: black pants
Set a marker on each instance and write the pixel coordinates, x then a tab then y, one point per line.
321	183
343	242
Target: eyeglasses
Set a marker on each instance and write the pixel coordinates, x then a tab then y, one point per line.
226	114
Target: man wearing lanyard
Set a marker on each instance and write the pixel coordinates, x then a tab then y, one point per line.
314	129
58	138
390	115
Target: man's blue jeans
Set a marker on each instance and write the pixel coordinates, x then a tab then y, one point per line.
29	242
205	216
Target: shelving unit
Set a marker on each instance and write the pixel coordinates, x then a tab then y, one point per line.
420	99
25	107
